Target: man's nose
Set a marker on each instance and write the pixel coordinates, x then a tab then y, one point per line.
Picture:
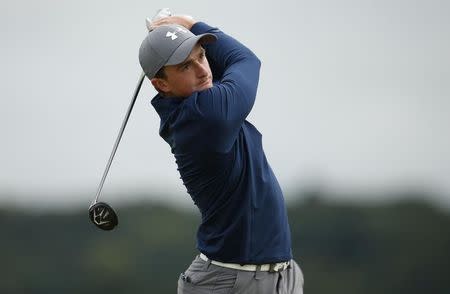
201	69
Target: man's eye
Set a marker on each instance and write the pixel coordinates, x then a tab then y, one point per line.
186	66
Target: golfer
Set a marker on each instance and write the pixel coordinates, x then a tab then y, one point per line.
207	83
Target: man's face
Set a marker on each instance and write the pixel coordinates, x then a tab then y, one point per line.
192	75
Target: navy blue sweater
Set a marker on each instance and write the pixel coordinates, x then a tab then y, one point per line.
221	159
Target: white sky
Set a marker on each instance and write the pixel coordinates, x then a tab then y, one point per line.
354	95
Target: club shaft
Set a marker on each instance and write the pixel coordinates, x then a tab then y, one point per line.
122	128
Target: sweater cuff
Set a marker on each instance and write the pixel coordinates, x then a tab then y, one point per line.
200	28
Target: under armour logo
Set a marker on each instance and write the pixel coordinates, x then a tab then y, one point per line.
173	35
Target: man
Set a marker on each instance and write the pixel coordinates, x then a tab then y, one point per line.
207	83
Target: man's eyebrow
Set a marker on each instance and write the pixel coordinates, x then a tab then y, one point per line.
184	63
202	51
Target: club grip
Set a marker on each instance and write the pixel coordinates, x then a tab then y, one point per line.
163	12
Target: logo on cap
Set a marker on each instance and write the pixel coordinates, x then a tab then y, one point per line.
173	35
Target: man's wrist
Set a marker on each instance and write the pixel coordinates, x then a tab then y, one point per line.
190	22
200	28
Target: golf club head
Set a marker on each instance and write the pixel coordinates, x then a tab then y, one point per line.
103	216
100	213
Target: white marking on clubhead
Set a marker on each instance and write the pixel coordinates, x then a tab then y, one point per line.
102	216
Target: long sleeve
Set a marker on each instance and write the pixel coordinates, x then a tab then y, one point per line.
224	107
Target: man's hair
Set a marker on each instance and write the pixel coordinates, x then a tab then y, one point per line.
161	74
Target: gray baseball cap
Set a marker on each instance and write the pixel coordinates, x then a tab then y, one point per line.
168	45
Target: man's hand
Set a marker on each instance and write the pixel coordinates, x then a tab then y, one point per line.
183	20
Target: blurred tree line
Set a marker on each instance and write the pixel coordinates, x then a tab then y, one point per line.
401	247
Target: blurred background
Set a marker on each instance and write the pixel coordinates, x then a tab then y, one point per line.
354	109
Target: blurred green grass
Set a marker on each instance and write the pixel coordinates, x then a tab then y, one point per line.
397	247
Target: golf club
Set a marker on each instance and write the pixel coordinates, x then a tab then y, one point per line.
100	213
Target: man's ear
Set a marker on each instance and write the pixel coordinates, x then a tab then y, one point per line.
160	85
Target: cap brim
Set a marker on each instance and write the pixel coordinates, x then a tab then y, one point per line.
186	47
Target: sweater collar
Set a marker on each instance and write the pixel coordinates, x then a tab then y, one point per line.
164	106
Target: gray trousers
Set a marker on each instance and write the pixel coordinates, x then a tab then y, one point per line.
202	277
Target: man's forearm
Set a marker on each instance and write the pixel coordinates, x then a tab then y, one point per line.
182	20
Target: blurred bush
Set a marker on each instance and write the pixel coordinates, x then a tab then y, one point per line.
401	247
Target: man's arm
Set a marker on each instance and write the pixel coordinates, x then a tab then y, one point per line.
223	108
182	20
226	105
